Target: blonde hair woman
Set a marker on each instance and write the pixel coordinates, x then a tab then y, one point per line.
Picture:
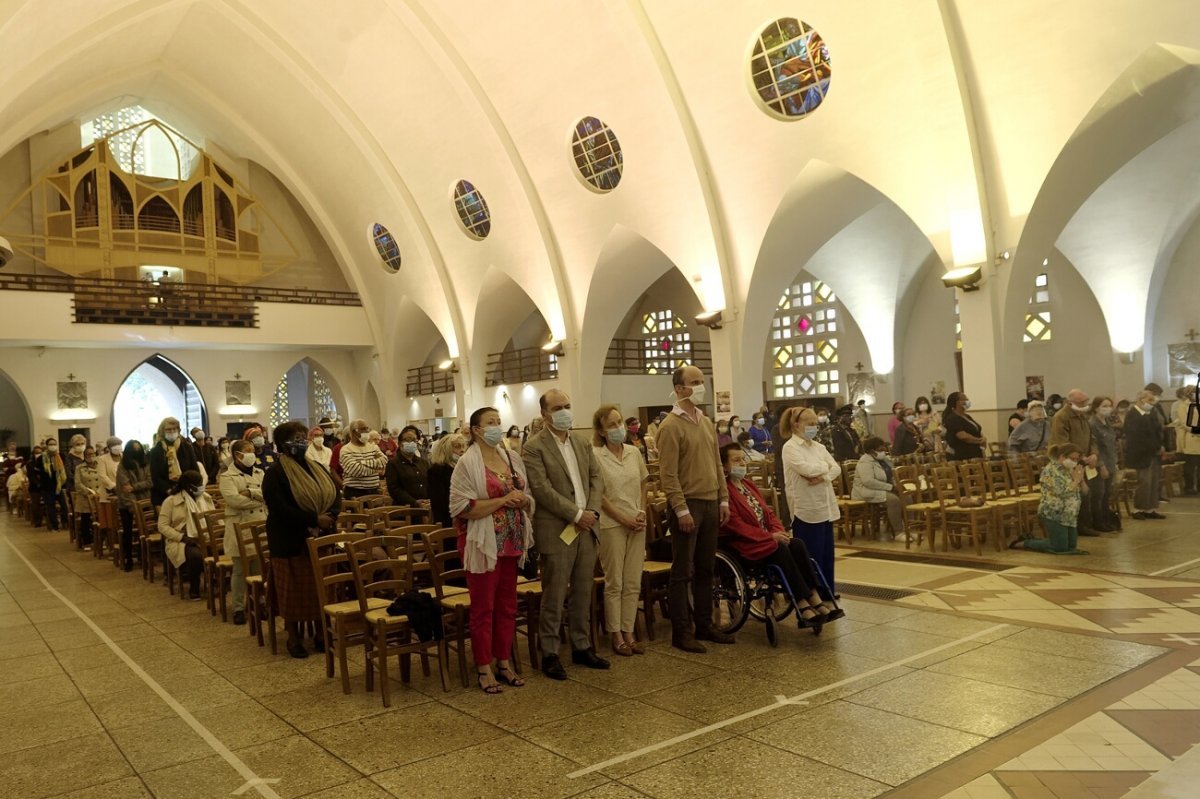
622	526
809	471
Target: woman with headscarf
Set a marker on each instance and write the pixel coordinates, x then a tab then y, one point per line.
265	455
179	525
171	457
302	501
133	484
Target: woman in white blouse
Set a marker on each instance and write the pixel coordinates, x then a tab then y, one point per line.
809	471
622	527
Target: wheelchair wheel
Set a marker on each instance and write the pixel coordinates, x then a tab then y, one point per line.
781	603
730	594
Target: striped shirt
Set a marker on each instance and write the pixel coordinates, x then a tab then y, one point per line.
361	465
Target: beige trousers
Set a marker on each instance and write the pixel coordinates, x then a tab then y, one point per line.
622	555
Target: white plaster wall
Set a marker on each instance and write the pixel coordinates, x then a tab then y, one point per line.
1178	307
926	341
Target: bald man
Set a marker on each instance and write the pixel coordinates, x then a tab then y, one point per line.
1071	425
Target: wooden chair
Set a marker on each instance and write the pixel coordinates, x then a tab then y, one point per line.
957	521
341	612
353	523
973	478
150	541
218	566
352	505
374	501
100	536
390	517
447	569
260	608
656	574
921	514
855	513
1003	484
1173	479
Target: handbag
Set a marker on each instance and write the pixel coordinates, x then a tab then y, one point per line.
529	570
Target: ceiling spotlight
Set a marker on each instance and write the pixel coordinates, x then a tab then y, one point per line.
966	278
553	347
710	319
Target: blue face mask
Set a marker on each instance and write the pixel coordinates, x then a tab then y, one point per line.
737	472
562	419
493	435
810	432
409	447
616	435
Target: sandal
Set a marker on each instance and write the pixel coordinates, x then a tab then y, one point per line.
509	677
805	622
623	649
636	647
829	613
488	689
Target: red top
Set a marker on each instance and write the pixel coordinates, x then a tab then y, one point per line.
751	522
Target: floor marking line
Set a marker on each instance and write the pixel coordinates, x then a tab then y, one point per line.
252	779
1173	568
780	701
902	588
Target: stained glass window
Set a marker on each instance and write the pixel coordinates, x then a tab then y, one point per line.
790	68
804	341
667	342
1037	318
322	403
140	146
597	154
957	328
279	403
472	210
386	246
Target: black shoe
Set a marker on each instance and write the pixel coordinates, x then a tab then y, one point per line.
1088	531
195	596
1154	515
239	617
319	645
297	651
128	566
832	615
552	667
1140	516
688	644
589	658
715	636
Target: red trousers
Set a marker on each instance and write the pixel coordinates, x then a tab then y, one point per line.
493	611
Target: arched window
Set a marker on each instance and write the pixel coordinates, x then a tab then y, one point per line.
804	342
302	394
957	328
667	342
140	146
1037	318
279	403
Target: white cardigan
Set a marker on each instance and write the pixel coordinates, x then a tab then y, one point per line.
175	522
803	459
468	483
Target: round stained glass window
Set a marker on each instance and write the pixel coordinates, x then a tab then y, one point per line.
597	154
472	210
790	68
386	246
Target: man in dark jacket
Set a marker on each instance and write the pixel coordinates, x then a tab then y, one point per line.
846	444
407	473
1143	451
207	454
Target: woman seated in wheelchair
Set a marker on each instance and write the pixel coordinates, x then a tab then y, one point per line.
760	539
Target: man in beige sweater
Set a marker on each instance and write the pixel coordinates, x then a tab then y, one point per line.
698	502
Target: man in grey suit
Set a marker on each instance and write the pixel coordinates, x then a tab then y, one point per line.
564	479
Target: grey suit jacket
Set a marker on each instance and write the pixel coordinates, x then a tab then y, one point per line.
551	486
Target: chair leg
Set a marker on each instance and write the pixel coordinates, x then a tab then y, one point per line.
648	606
385	687
443	656
461	628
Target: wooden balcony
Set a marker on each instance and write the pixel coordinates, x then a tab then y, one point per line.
425	380
521	366
629	356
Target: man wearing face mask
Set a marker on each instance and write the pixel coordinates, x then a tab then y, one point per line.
171	456
88	483
760	434
207	454
1032	434
362	463
1072	426
241	487
567	489
846	443
1144	448
408	473
693	479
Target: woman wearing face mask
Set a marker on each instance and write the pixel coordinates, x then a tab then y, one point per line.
177	522
1059	507
171	456
387	443
622	527
929	424
445	454
1100	488
89	482
633	436
963	433
407	475
896	421
262	448
760	434
757	535
873	483
723	436
1032	434
362	463
224	453
241	488
809	471
513	439
72	460
47	476
1188	442
908	436
133	484
1144	448
317	452
302	501
493	514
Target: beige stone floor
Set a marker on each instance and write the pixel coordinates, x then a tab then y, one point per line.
898	697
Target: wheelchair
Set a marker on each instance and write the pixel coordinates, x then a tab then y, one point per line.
742	591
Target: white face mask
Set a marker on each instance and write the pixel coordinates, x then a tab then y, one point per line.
248	459
923	408
78	449
1079	408
562	419
910	418
697	395
258	441
1104	411
170	437
115	449
967	405
1069	464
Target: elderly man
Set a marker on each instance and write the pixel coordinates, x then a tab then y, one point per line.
565	481
693	479
1071	425
1144	448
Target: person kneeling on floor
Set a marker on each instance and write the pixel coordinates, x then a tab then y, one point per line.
757	535
1061	481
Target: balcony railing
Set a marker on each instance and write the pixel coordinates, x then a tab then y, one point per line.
137	302
424	380
521	366
630	356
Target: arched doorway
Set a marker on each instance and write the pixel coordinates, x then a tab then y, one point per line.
304	394
155	389
15	419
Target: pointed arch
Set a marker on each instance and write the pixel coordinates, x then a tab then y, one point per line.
154	388
306	392
14	407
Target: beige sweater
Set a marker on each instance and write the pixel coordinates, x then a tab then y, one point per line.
689	462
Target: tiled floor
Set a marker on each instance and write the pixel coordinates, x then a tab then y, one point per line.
1040	677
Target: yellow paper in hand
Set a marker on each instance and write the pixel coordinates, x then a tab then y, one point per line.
568	534
1090	472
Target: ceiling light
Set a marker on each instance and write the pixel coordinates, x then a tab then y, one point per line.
447	365
553	347
966	278
710	319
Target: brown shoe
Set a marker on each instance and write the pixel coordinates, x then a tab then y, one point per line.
688	643
637	647
715	636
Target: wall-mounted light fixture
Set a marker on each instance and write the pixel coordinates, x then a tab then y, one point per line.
448	365
1127	357
966	278
710	319
554	347
238	410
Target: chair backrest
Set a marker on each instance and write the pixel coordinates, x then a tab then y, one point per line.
352	505
144	518
656	519
911	481
772	499
212	533
945	484
374	500
999	478
381	566
351	522
245	543
973	478
441	548
261	548
389	517
330	557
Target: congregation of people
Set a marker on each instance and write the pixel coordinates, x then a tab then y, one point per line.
544	502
